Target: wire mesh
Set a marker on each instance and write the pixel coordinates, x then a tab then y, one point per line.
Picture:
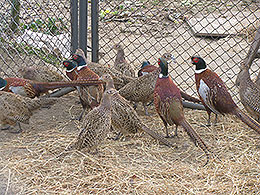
149	28
146	29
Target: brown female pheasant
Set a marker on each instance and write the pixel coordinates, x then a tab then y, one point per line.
215	96
168	103
96	124
120	62
124	117
16	109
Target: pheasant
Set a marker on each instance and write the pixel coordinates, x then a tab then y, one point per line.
142	88
16	109
124	117
96	124
249	92
78	70
146	68
215	96
40	74
120	62
168	103
119	78
33	89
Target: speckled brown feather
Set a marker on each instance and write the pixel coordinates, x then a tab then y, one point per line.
124	117
40	74
96	124
15	108
120	62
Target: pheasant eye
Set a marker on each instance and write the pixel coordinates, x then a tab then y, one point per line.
196	60
66	64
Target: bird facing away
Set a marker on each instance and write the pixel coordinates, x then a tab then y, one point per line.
249	92
90	96
16	109
124	117
96	124
40	74
33	89
168	103
120	62
215	96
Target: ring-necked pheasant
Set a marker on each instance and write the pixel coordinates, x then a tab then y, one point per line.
168	103
40	74
141	89
16	109
120	62
90	97
96	124
146	67
33	89
215	96
124	117
119	78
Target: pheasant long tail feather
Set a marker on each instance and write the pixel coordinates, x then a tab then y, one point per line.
189	98
156	136
45	86
247	120
195	138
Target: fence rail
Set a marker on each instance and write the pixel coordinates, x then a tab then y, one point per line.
48	31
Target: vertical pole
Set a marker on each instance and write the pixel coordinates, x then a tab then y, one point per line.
15	12
83	24
74	25
94	29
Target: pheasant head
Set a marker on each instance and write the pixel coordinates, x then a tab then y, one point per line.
145	63
79	59
164	67
69	65
199	63
109	81
3	83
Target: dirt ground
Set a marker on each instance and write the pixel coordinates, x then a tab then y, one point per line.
136	164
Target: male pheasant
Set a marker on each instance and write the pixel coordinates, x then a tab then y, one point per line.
215	96
168	103
119	78
33	89
124	117
90	97
120	62
146	68
16	109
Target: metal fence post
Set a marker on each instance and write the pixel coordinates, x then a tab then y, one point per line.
74	25
83	24
94	29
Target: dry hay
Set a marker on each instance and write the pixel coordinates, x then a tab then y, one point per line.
134	165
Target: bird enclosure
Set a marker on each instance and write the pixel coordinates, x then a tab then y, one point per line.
44	33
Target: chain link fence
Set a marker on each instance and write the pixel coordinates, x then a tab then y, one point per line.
219	31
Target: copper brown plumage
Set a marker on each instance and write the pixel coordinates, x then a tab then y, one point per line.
16	109
119	78
121	63
96	124
146	68
215	96
124	117
33	89
168	103
90	97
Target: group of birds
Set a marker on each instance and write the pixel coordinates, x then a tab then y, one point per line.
112	106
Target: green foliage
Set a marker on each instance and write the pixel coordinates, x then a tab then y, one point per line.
52	26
